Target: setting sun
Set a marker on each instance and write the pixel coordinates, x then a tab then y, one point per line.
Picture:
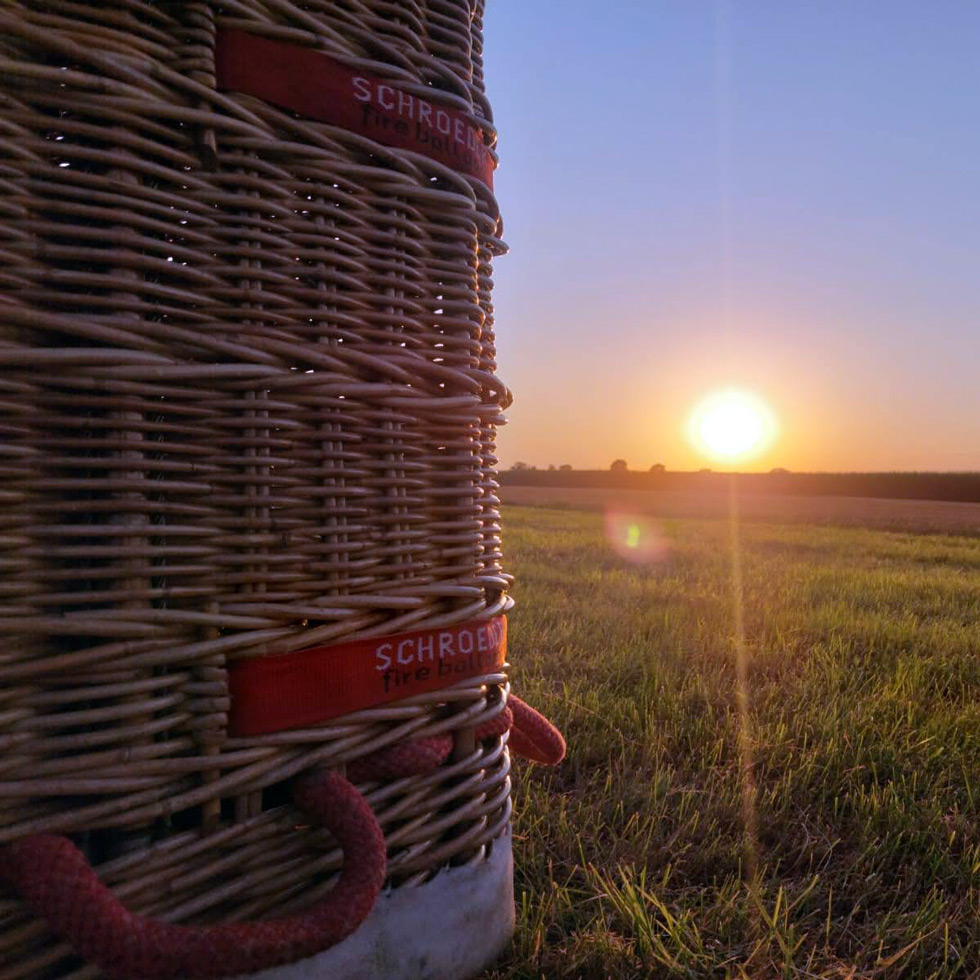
732	425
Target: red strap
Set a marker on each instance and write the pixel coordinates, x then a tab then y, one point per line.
313	84
309	687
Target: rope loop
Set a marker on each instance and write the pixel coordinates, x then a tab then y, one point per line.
54	878
534	737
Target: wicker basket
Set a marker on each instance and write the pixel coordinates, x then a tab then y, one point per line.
248	406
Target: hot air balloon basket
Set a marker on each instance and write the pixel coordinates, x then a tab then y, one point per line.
253	682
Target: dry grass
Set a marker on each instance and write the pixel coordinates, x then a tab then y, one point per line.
932	516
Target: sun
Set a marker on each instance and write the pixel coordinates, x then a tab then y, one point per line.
732	426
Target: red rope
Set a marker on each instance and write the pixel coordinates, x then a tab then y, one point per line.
55	880
533	736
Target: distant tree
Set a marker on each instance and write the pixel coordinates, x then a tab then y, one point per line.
705	469
658	468
519	465
618	466
779	471
551	466
565	467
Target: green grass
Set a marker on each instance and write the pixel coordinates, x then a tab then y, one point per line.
863	678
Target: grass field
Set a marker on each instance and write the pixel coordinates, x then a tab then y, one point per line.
862	673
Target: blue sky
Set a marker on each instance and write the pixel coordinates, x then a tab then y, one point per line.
777	196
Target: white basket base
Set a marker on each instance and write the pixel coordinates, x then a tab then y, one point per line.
447	929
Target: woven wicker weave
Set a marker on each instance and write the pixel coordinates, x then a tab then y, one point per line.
248	404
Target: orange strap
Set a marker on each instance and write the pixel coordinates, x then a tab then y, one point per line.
315	85
309	687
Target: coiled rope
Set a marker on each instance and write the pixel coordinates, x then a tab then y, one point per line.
54	878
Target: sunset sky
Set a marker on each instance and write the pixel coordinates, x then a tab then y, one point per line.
771	195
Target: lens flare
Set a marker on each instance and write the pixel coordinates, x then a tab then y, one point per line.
732	426
636	538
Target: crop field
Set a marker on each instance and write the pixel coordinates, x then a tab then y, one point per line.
937	516
774	765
